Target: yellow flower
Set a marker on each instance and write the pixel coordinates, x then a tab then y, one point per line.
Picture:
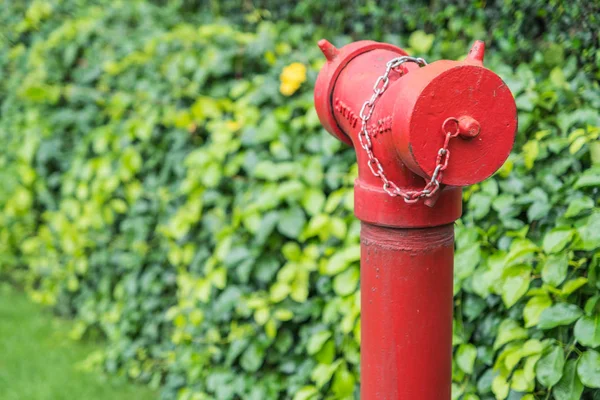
232	125
292	78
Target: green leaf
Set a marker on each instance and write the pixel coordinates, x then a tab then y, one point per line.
557	77
579	205
549	369
587	331
540	205
519	249
559	314
526	102
572	285
299	288
318	226
590	233
516	351
291	222
465	357
313	201
327	354
595	152
336	264
290	190
480	204
522	383
577	144
252	358
588	369
421	42
338	227
341	260
261	316
490	186
306	393
343	383
592	305
515	285
500	387
323	372
589	178
569	387
509	331
484	383
531	363
316	341
555	268
291	251
534	308
531	150
538	210
279	291
346	282
466	260
557	239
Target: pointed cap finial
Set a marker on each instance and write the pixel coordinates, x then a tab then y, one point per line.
328	49
477	52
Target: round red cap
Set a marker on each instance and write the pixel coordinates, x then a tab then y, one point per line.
466	91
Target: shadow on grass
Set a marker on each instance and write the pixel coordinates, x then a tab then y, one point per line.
38	360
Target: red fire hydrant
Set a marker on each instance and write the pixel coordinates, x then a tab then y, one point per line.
421	132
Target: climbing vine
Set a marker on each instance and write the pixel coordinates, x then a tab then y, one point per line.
167	184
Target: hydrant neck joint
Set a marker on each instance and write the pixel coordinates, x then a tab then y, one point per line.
374	206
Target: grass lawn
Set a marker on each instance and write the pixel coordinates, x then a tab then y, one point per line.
38	360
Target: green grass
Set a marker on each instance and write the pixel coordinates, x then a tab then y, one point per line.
38	360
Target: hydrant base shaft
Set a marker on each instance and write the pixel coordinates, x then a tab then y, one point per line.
406	322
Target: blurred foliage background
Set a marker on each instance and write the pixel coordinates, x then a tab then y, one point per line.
166	183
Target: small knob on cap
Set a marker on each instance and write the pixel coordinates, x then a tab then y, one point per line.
468	127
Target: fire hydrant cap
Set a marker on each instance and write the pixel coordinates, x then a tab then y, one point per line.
482	107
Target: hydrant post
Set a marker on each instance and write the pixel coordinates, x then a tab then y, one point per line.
406	316
421	132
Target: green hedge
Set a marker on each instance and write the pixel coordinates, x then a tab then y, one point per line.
159	188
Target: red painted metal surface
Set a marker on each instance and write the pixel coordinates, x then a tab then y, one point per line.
406	326
337	60
464	90
407	249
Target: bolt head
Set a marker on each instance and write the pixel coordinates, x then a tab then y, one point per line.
468	127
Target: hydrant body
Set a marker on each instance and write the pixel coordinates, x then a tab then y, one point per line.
421	132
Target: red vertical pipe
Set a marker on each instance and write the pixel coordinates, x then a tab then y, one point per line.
407	289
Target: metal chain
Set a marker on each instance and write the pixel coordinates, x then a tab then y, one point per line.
443	156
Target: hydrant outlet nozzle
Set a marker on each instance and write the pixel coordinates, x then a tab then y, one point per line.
392	108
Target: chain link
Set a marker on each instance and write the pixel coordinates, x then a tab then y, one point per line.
443	156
